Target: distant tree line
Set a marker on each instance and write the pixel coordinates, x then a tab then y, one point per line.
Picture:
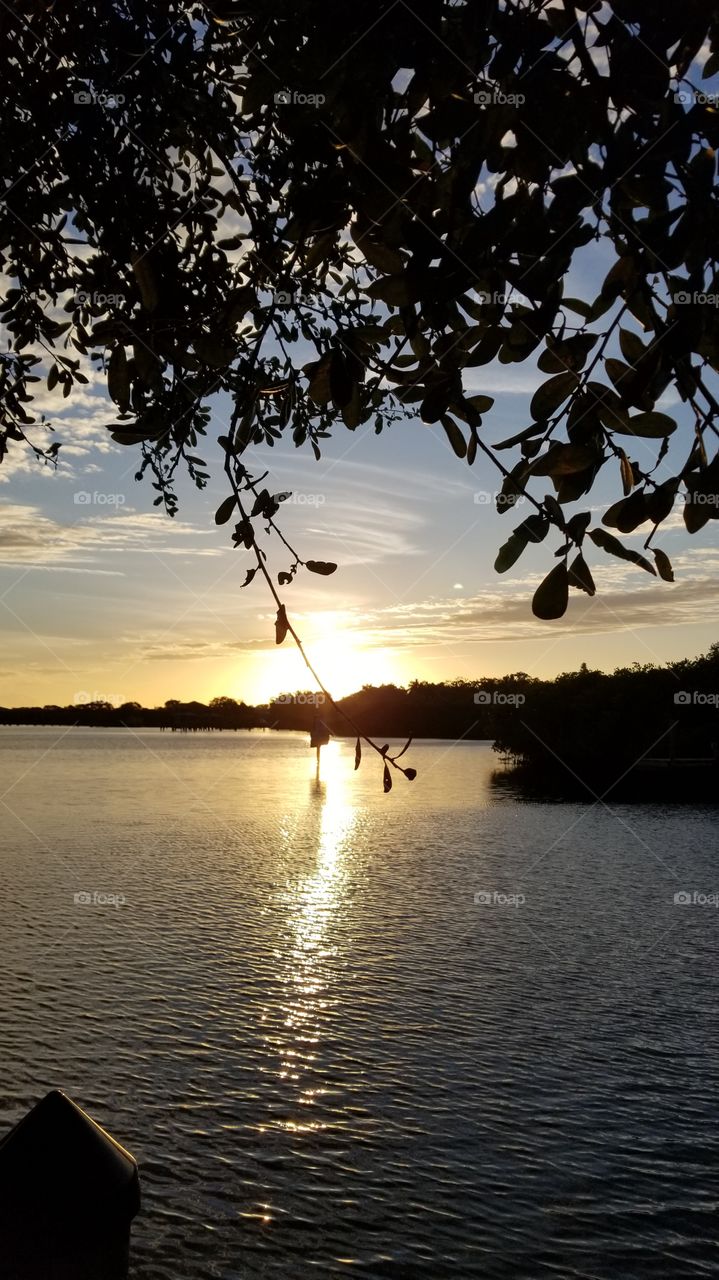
590	722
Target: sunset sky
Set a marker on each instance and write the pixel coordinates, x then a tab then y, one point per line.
109	598
104	597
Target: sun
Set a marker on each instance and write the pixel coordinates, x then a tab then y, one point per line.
343	659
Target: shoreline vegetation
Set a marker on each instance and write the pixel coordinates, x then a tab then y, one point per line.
640	732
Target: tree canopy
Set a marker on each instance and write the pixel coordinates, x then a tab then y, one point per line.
338	214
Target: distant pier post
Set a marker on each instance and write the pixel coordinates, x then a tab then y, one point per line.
68	1194
319	738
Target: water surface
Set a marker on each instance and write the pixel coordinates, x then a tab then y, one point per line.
327	1057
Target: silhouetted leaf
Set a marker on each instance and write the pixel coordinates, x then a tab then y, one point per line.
225	509
650	426
551	395
627	514
510	552
325	567
609	543
580	576
358	753
282	626
627	475
664	565
455	437
552	595
387	778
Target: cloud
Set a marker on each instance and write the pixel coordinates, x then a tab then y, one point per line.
32	539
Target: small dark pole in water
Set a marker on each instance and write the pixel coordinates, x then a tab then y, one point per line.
319	738
68	1193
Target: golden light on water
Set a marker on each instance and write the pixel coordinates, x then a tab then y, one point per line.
315	912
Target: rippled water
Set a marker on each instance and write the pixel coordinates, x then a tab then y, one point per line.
326	1056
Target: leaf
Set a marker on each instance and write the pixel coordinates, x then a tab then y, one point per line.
318	372
435	403
536	429
398	290
482	404
225	509
620	373
614	547
52	377
358	753
626	473
510	552
650	426
565	460
552	595
387	778
325	567
118	379
145	278
579	576
410	774
250	575
633	348
550	395
627	514
664	565
282	626
535	528
455	437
